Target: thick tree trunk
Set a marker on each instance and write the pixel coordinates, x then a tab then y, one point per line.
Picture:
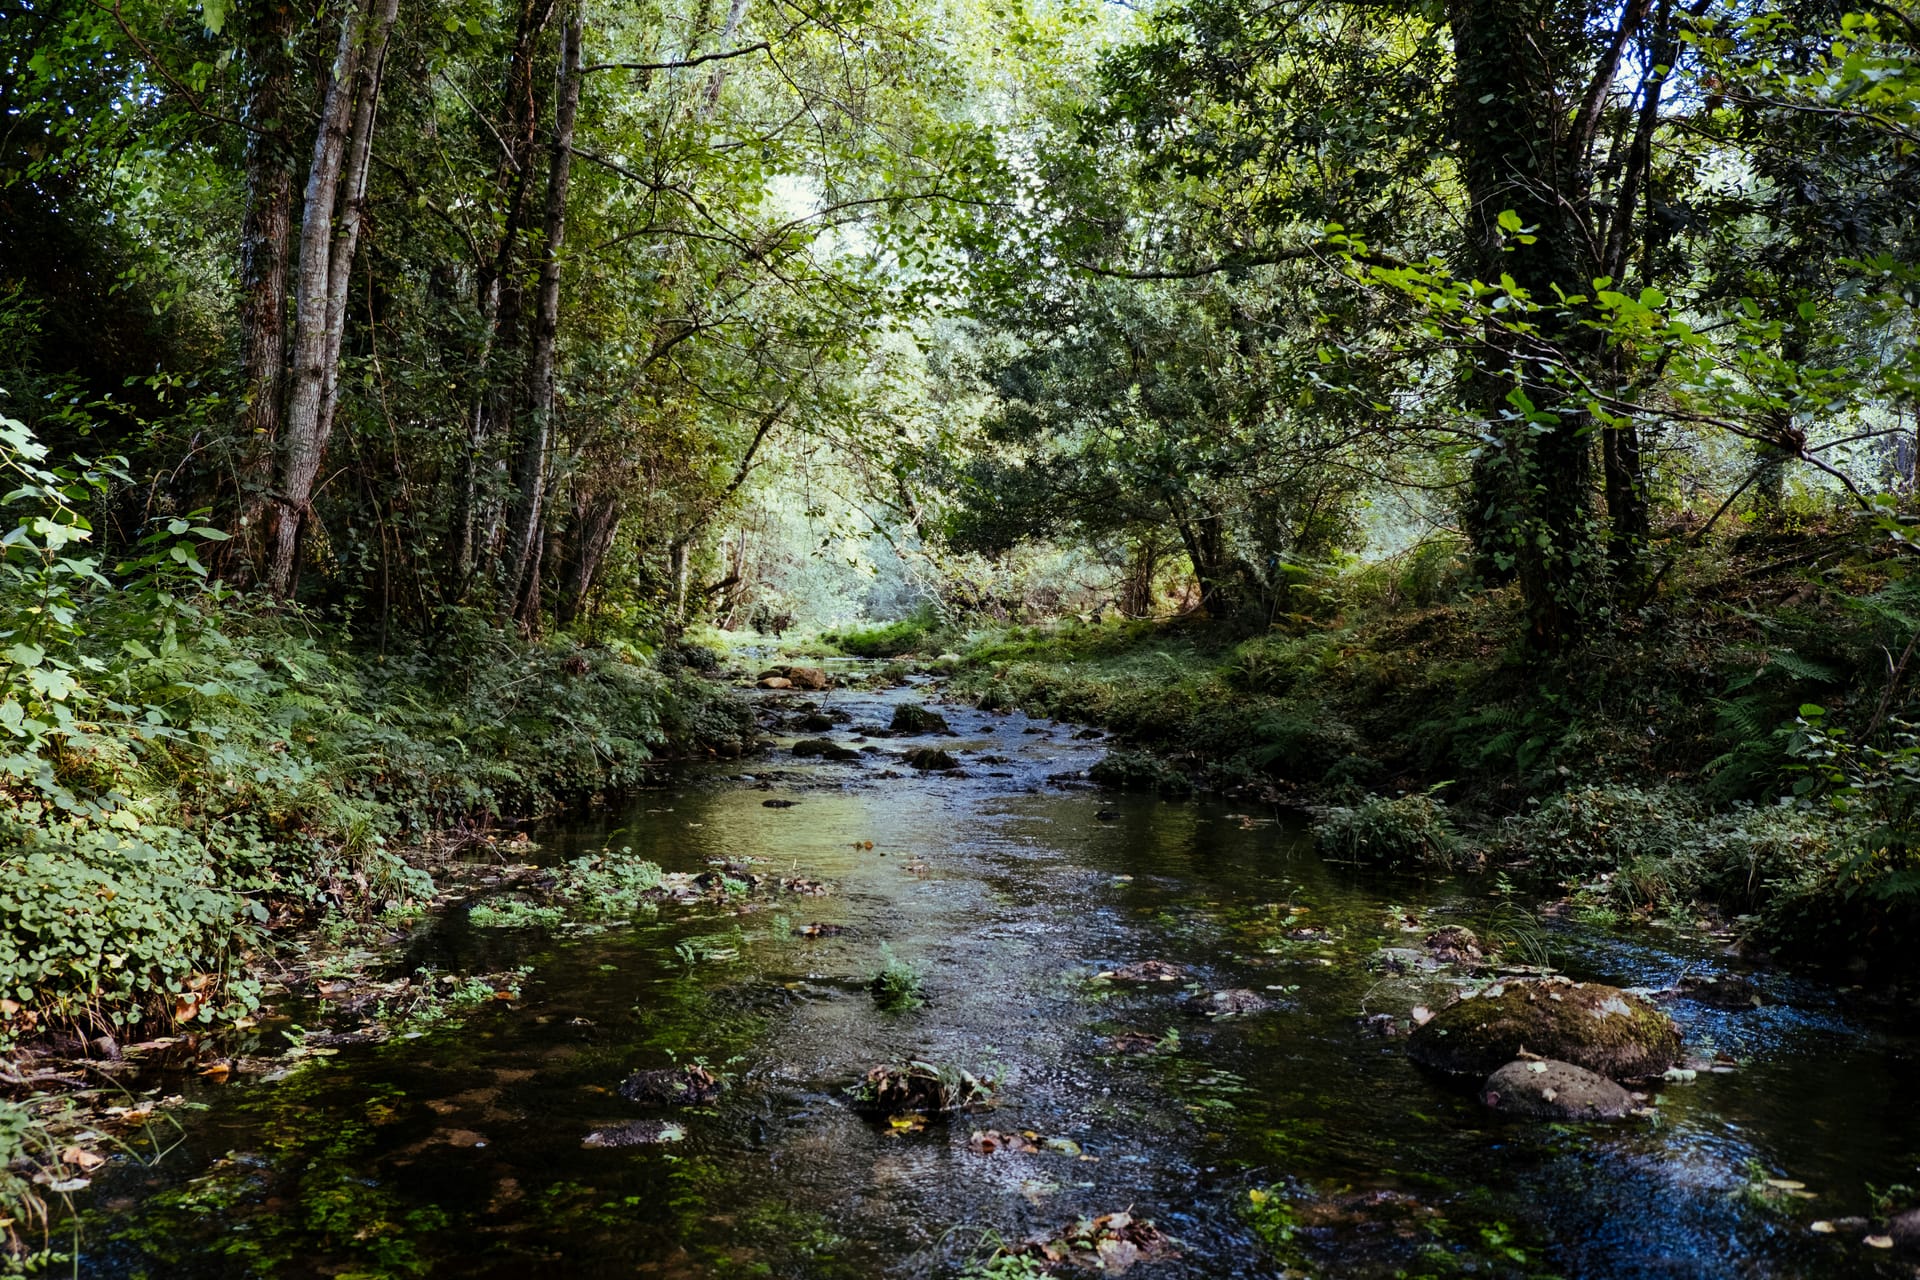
265	236
530	463
1531	508
338	177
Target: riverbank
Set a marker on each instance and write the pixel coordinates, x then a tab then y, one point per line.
210	807
1699	762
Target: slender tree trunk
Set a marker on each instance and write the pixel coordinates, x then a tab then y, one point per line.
498	294
1770	490
736	13
596	521
1136	595
265	236
337	178
530	465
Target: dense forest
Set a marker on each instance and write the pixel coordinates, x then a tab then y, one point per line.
1487	428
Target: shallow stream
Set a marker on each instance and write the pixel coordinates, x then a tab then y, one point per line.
459	1152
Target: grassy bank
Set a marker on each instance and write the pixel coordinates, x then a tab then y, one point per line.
1734	748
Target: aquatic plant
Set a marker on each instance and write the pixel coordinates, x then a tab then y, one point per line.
1410	830
899	984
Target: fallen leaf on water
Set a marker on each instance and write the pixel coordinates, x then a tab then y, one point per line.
82	1159
1878	1242
1422	1015
1786	1184
1823	1228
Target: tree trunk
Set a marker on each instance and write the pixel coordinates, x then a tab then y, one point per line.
1770	490
498	294
596	521
1531	508
337	177
530	464
1205	541
265	236
1136	591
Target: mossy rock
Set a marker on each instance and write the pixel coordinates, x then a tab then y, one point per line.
929	759
1600	1028
911	717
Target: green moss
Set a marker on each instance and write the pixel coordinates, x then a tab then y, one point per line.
1601	1028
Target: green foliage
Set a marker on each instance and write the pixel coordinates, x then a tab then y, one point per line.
1270	1213
1403	831
1140	771
175	769
898	985
920	632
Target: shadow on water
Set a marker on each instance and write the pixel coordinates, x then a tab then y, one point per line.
460	1152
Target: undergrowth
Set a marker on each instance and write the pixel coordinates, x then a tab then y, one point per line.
182	772
1702	752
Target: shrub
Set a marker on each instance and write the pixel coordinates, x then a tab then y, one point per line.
1587	829
1411	830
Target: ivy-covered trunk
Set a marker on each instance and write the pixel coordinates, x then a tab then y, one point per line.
1530	510
265	242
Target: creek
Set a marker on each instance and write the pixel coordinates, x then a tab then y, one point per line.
460	1152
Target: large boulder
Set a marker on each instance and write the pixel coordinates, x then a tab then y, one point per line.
1597	1027
1547	1090
1904	1230
808	678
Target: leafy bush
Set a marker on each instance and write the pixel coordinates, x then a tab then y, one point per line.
1410	830
1586	829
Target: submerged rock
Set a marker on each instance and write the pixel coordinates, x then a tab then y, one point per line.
1455	944
641	1133
1226	1004
911	717
1904	1230
1728	991
825	748
775	682
1402	960
1548	1090
928	759
671	1087
1600	1028
1146	971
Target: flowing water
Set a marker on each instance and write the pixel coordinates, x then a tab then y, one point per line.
459	1153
